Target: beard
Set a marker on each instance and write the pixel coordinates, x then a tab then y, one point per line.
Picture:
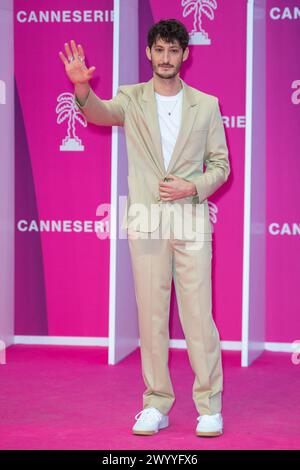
166	74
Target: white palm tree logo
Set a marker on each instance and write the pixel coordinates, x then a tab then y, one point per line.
199	7
67	108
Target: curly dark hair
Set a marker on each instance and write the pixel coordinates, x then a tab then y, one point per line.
169	30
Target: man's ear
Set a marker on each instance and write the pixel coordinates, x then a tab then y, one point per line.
185	54
148	53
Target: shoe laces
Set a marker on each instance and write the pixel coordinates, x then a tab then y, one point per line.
150	412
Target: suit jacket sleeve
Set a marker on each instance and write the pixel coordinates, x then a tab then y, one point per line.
105	112
216	157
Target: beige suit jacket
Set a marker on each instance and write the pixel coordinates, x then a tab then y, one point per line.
201	142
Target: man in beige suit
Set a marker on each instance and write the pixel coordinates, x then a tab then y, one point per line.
171	130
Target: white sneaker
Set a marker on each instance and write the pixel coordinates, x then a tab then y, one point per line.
210	425
149	421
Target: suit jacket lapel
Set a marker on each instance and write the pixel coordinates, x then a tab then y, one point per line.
189	110
151	117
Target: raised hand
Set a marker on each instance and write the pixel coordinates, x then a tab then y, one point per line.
75	66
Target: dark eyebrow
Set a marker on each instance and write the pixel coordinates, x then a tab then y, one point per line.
172	47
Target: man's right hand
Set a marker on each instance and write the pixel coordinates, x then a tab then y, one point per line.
75	67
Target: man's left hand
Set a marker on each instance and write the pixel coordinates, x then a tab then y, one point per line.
176	189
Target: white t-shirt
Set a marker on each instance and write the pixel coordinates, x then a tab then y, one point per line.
169	124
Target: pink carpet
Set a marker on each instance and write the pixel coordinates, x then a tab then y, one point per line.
60	397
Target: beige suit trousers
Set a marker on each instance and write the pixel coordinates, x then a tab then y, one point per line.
155	260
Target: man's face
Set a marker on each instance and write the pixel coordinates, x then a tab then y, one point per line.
166	58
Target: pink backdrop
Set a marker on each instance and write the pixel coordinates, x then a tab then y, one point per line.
208	70
62	277
283	170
